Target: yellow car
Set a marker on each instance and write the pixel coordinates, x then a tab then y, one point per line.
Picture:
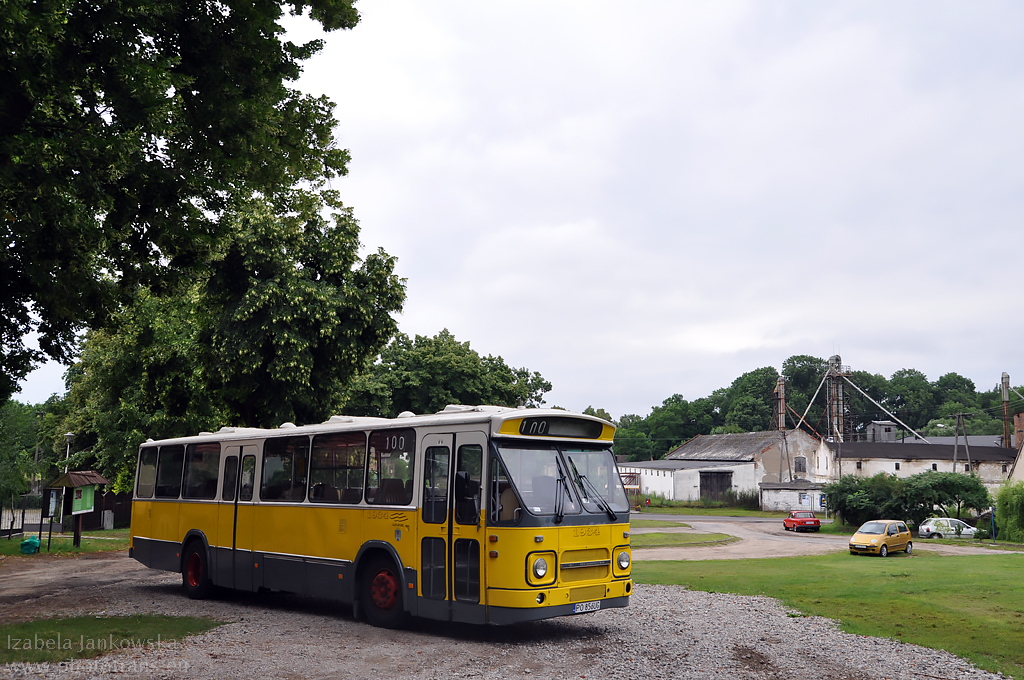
881	537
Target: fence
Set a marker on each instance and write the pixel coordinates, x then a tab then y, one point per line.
26	512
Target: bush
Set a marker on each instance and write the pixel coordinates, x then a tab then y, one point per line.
1010	512
748	499
913	499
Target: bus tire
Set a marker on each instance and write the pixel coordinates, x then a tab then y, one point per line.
195	572
380	594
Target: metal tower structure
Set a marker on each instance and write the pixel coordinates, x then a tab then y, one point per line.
840	422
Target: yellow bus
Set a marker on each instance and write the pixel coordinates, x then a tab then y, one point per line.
478	514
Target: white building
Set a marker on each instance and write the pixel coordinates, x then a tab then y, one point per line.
866	459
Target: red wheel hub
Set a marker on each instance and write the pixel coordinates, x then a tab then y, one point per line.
193	569
384	589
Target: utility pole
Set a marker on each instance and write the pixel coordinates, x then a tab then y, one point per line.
780	407
1006	410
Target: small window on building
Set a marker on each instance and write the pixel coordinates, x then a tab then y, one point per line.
858	465
897	466
935	466
800	464
1004	467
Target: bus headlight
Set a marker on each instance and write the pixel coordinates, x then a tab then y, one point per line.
623	560
540	567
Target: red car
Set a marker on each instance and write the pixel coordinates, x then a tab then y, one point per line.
801	520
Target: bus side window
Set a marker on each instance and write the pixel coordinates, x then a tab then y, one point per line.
201	467
389	474
248	478
147	472
435	484
168	471
230	478
504	503
285	462
469	464
336	468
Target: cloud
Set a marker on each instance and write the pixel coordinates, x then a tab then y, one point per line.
644	200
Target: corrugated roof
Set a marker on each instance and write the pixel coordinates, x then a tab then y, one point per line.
77	479
897	451
726	447
666	464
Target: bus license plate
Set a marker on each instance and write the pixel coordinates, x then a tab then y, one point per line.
586	607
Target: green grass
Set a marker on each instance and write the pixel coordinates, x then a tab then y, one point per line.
971	605
837	528
85	637
61	545
717	512
655	524
659	540
113	533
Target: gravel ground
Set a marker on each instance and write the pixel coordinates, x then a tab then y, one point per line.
666	632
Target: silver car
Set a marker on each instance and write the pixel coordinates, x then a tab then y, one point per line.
945	527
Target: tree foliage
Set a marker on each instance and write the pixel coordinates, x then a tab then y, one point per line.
425	374
276	331
914	499
1010	512
126	128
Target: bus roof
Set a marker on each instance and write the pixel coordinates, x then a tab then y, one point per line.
504	422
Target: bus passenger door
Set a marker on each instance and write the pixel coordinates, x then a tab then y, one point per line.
467	526
450	547
223	554
435	533
244	521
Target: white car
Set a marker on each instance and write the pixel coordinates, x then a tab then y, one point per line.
945	527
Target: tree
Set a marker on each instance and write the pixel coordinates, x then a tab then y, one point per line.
1010	512
915	498
424	374
285	318
750	400
125	131
17	446
598	413
910	396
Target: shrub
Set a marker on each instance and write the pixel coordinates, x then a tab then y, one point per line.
1010	512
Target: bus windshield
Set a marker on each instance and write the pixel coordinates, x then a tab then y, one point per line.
538	474
596	478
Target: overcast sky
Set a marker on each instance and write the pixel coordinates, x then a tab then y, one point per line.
652	198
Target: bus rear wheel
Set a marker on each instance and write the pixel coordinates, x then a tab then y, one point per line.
381	594
195	574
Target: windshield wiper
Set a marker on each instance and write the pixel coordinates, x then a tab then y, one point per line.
592	491
561	488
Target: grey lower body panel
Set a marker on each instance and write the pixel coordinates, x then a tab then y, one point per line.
249	571
503	616
156	554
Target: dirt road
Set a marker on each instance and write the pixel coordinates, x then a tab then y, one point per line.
666	632
765	538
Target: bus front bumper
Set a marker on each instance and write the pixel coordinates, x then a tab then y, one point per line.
513	606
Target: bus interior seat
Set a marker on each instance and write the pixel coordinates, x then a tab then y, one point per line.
508	504
351	495
392	492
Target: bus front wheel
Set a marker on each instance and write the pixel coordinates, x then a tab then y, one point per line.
381	594
195	573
